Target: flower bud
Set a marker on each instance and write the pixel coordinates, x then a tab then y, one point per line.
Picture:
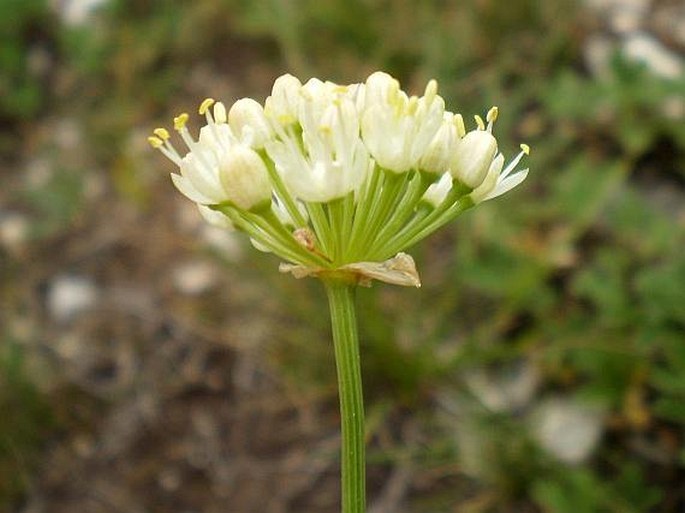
244	177
283	104
473	156
248	122
436	158
380	88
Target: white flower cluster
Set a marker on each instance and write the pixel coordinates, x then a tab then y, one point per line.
326	175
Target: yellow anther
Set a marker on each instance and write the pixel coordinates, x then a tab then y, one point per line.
155	142
162	133
492	115
205	105
180	121
459	123
525	149
479	122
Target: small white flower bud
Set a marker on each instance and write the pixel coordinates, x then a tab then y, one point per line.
473	156
380	88
437	156
248	122
244	178
283	104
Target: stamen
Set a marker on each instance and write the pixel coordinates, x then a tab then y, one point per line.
220	112
479	122
180	121
162	133
525	150
492	114
459	123
205	105
491	117
170	153
155	142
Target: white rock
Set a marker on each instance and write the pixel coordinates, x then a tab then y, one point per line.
612	8
598	51
641	47
194	277
505	389
69	296
14	230
68	134
38	172
567	429
628	15
76	12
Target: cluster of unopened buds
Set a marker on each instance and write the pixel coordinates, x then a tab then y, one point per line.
339	179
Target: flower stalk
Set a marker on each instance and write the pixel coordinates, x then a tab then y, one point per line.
340	293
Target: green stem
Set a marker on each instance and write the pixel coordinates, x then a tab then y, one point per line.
344	323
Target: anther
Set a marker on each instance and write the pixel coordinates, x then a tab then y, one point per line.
205	105
479	122
492	115
155	142
180	121
162	133
525	149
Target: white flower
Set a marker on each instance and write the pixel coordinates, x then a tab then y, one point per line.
217	168
472	157
496	181
437	157
328	160
245	178
199	179
274	172
395	128
282	106
247	120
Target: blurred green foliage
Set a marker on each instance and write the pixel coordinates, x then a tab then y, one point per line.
580	270
25	31
26	420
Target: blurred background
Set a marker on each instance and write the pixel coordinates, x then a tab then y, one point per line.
152	363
